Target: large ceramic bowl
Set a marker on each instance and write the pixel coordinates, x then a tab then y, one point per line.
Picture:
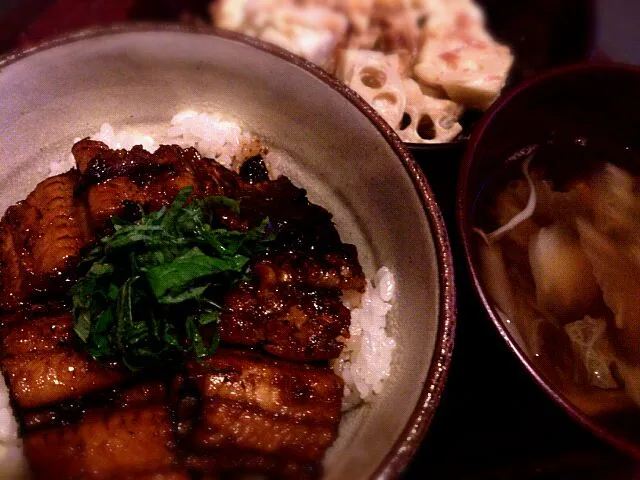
572	117
347	158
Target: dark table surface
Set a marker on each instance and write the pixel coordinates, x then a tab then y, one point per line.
493	421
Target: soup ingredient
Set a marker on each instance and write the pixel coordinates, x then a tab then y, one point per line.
494	273
616	207
579	254
522	215
590	345
153	284
563	275
618	277
631	376
384	49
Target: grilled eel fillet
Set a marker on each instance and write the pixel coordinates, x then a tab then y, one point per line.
259	415
303	274
237	411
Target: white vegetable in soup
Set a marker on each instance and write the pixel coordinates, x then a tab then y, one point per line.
563	275
590	344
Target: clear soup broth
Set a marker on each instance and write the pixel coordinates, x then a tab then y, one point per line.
558	243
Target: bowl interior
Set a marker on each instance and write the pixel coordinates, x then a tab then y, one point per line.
574	117
138	77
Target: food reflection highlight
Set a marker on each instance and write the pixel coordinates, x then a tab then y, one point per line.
562	265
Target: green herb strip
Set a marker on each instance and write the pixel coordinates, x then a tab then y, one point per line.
153	286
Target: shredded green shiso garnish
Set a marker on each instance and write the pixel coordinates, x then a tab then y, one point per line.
153	285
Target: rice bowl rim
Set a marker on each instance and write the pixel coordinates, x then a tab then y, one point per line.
403	449
464	223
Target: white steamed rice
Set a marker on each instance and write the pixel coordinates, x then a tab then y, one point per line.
365	362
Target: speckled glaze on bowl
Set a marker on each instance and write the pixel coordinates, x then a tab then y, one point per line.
349	160
559	111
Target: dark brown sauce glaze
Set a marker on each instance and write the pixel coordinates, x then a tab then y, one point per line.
253	170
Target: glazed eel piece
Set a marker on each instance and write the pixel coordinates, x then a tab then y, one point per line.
81	419
306	268
256	414
106	443
43	366
239	411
